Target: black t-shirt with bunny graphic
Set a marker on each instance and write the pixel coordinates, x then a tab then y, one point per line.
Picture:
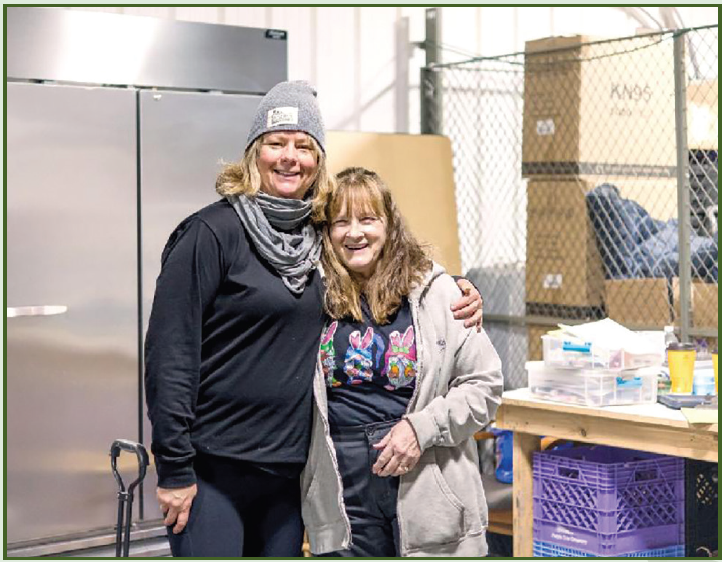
370	370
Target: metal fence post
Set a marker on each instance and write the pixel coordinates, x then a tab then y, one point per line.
683	203
430	88
430	124
401	89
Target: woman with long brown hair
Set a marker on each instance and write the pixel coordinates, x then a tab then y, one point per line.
406	388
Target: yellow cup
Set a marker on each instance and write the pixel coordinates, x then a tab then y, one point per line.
681	358
714	364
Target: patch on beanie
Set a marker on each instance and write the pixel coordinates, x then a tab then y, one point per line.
282	116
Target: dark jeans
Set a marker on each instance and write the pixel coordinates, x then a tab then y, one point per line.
370	500
241	510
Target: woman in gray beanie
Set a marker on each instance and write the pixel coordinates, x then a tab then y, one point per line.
232	342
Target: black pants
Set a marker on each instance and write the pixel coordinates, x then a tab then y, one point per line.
239	511
370	500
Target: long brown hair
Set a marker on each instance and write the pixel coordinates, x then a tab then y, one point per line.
403	261
243	177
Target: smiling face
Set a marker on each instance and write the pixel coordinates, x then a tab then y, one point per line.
358	235
287	163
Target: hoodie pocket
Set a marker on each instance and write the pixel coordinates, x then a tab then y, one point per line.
432	513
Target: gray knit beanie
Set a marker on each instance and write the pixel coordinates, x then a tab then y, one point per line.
289	106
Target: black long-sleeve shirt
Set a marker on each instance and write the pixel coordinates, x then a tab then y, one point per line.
230	352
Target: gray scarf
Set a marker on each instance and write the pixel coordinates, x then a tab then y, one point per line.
272	223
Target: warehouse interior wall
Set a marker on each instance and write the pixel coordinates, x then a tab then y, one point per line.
352	54
365	63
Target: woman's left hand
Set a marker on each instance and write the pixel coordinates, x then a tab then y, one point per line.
400	452
470	307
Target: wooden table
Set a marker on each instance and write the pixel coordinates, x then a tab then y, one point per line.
652	427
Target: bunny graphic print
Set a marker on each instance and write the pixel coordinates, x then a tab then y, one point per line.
327	353
353	354
400	366
358	363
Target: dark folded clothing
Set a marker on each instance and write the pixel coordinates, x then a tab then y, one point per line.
635	245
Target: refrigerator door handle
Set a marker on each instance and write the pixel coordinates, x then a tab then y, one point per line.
49	310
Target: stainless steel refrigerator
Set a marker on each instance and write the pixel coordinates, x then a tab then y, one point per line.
116	128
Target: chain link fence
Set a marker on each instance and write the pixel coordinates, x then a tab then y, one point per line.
586	183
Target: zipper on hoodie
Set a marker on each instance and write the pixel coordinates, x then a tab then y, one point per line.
414	303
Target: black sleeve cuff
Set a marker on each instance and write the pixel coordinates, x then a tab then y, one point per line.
175	475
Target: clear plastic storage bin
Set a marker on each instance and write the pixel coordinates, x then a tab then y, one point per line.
592	387
568	354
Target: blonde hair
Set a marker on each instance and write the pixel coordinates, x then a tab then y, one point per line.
403	261
243	178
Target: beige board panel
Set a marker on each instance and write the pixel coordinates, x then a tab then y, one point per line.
564	265
418	170
598	107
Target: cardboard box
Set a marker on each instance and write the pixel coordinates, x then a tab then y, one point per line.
702	122
704	303
536	349
638	302
564	265
605	108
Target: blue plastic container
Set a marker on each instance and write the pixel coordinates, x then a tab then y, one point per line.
504	448
504	455
703	382
551	550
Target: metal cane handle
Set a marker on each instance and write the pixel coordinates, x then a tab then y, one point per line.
131	447
125	497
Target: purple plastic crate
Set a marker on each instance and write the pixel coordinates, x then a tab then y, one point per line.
608	478
608	544
608	500
550	550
